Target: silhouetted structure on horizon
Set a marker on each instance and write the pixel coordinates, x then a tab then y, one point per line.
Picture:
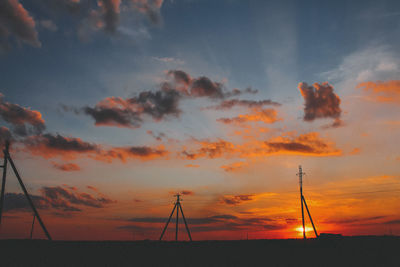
178	207
303	201
7	158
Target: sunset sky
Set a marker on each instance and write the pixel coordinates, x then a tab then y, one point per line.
114	106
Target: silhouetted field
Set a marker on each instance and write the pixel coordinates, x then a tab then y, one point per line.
346	251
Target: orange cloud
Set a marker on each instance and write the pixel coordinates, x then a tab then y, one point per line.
192	165
234	167
355	151
309	144
68	167
210	149
258	114
235	200
133	152
187	192
383	91
92	188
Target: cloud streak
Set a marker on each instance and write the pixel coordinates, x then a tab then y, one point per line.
52	146
228	104
236	200
64	198
67	167
309	144
383	91
258	114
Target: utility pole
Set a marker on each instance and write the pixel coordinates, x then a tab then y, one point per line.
178	207
33	224
177	216
300	174
7	158
303	201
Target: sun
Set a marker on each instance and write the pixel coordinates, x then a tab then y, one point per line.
300	230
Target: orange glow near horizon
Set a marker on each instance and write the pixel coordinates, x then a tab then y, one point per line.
307	230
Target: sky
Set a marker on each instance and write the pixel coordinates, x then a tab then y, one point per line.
115	106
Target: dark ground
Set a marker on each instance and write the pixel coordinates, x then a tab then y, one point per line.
346	251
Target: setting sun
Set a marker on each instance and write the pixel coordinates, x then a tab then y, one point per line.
300	230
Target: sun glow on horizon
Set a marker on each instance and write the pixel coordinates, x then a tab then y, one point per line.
300	230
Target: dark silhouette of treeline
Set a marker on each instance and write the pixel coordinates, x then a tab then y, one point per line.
335	251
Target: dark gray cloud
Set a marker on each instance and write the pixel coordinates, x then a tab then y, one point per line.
129	112
356	220
224	222
196	221
110	14
187	192
236	200
180	77
51	146
320	102
114	116
158	136
149	7
123	153
237	92
160	104
4	135
60	143
66	167
392	222
72	7
228	104
291	146
203	86
24	121
199	87
19	202
16	20
65	198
